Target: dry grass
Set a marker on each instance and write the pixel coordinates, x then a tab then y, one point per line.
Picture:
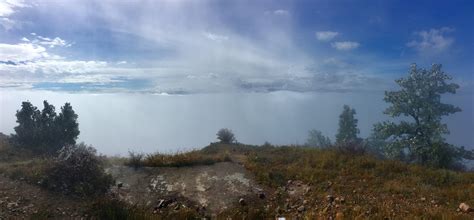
378	188
190	158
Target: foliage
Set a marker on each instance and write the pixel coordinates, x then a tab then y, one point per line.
77	170
317	139
135	160
190	158
348	130
45	131
226	136
421	139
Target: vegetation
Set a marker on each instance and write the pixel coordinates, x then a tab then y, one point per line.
45	131
348	130
226	136
77	170
420	140
190	158
371	187
317	139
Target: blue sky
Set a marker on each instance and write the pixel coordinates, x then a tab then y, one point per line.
178	70
190	47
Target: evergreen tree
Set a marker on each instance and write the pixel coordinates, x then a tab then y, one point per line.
348	130
26	130
419	98
67	122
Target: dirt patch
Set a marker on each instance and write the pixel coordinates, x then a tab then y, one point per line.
19	199
215	187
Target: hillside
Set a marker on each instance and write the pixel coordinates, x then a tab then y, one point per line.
254	182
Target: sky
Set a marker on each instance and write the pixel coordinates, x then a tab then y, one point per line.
198	55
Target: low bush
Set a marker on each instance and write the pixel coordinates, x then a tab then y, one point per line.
135	160
77	170
191	158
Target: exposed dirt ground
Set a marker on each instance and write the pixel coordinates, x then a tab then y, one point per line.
214	187
19	199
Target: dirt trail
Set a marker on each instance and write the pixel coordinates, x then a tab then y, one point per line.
215	187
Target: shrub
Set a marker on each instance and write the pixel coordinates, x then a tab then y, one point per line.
135	160
226	136
354	147
77	170
317	139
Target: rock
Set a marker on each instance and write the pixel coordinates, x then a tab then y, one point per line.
465	207
330	198
289	182
423	199
161	204
301	209
242	201
12	205
305	202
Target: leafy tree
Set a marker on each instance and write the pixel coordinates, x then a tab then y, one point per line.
226	136
317	139
348	130
420	139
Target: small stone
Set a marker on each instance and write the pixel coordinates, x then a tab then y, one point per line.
289	182
301	209
242	201
330	198
423	199
305	202
11	205
465	207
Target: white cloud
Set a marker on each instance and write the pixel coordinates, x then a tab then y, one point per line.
216	37
345	45
8	8
326	35
281	12
52	42
432	41
21	52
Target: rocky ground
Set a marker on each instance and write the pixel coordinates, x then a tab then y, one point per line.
213	188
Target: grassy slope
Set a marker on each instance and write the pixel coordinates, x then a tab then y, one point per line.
369	186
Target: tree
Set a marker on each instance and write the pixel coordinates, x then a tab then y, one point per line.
226	136
26	130
67	122
347	132
45	131
420	139
317	139
47	126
